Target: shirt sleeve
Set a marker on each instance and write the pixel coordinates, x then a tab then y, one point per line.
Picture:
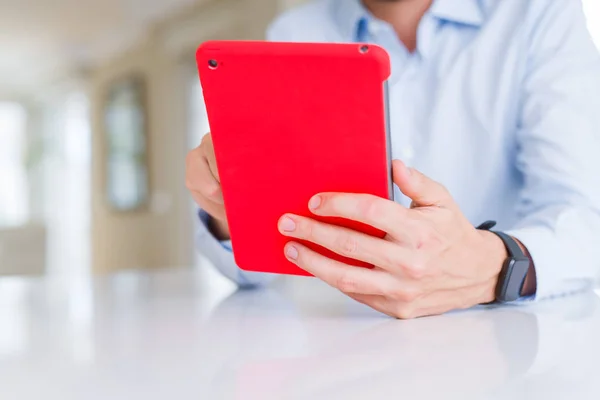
220	253
559	152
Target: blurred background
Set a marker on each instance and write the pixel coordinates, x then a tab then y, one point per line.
99	104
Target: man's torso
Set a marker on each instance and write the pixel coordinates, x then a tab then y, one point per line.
455	102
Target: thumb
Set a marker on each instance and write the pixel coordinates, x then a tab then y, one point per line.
423	191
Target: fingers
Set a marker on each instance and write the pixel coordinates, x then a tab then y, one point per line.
435	303
345	278
422	190
378	303
216	210
375	211
389	306
347	242
209	152
200	177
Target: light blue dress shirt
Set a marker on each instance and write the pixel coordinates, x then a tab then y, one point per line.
501	103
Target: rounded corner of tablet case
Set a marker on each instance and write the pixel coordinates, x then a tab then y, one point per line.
383	58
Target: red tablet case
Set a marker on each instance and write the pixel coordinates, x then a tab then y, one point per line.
290	120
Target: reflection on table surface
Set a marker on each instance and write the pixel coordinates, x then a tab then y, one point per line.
170	335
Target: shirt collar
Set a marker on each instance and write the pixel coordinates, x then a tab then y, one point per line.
349	13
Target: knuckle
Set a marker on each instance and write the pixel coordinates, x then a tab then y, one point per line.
195	153
346	284
417	270
405	312
212	190
348	245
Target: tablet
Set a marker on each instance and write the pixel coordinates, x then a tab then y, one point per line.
288	121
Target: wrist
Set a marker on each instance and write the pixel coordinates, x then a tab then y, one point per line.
497	256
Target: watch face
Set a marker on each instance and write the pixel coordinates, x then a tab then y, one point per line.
514	278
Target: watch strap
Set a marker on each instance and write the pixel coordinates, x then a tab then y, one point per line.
514	270
514	251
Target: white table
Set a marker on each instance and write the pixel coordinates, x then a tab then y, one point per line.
166	335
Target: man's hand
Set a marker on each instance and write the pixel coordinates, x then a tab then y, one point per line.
202	180
431	261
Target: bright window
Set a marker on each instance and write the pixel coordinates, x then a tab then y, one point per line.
14	208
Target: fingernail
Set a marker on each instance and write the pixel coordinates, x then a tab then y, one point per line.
287	224
314	203
291	252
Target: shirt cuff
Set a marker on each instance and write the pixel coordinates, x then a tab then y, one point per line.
549	258
205	219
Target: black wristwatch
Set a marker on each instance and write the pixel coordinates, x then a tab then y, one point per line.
515	268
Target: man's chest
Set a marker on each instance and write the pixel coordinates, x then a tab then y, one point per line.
454	104
458	106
